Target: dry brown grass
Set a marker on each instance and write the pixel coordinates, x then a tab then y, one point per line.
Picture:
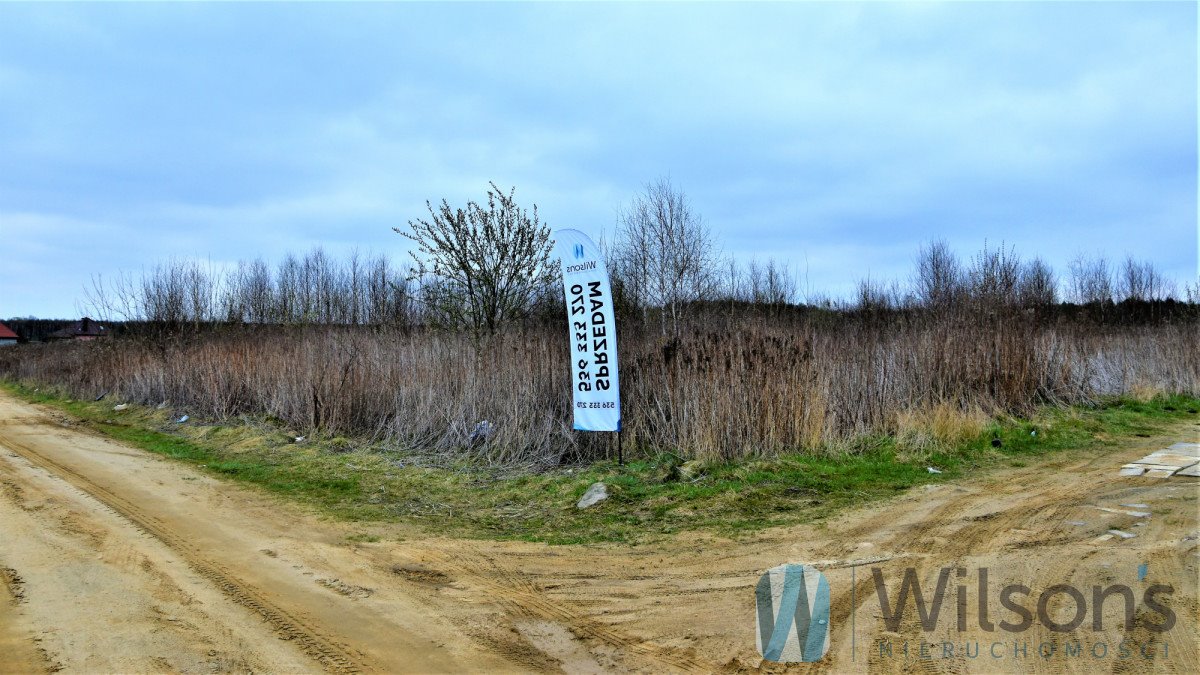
938	427
730	386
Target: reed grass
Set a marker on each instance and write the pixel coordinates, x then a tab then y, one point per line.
732	384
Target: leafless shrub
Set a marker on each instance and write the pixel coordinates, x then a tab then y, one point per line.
939	275
1141	280
313	289
1090	280
771	283
483	267
664	253
1038	286
1191	292
993	277
873	295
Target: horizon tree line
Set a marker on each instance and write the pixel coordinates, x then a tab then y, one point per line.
485	266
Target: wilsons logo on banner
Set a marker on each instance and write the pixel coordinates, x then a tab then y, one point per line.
591	331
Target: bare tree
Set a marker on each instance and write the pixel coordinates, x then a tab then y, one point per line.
312	289
1191	292
1091	280
770	284
993	278
1140	280
110	300
664	252
939	275
482	267
1038	285
874	295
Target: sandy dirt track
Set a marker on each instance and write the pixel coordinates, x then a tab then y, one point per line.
115	560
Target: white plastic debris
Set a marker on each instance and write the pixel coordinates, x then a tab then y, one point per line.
300	439
1137	506
183	419
1122	534
930	469
160	406
481	432
120	407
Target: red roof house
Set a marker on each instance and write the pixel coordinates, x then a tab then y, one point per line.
7	337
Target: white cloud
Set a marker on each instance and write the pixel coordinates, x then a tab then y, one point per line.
844	133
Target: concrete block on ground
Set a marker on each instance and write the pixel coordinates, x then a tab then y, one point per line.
1168	459
1192	449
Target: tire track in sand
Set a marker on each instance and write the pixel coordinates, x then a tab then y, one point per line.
521	597
332	657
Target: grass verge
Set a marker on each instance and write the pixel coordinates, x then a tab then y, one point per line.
649	498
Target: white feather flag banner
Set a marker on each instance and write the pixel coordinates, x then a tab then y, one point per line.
592	332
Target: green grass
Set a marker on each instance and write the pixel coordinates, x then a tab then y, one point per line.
649	498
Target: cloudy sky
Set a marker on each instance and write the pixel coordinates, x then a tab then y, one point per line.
838	137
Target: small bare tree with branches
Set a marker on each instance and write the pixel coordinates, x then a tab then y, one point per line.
482	267
1038	286
664	253
1091	280
938	280
1141	280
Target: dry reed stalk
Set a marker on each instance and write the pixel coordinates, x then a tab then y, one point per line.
725	388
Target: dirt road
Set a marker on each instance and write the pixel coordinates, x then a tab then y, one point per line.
112	559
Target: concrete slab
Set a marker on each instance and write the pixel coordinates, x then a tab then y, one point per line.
1135	514
1192	471
1133	470
1169	459
1175	458
1161	473
1192	449
1162	467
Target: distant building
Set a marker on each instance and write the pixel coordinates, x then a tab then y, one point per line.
7	337
84	329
